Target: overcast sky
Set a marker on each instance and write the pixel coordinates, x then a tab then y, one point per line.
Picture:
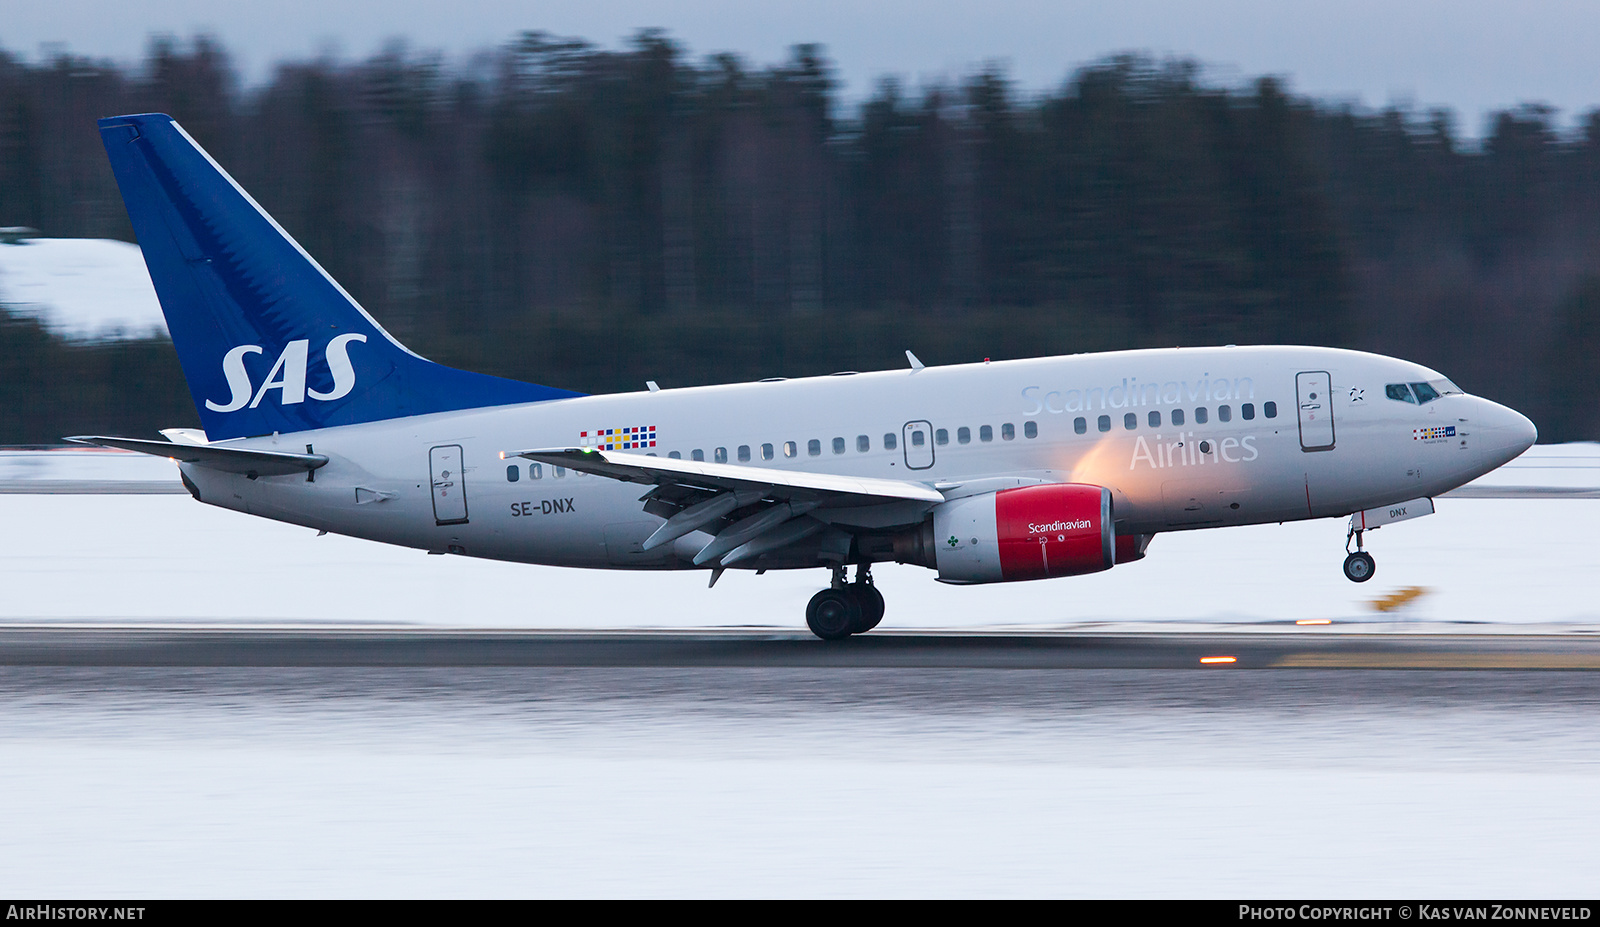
1473	56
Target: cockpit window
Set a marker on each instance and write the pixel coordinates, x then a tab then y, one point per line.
1425	392
1422	393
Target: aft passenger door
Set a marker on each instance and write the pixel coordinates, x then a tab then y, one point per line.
449	485
1314	389
917	439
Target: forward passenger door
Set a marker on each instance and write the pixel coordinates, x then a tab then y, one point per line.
1313	389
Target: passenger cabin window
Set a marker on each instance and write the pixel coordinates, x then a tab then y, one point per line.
838	445
1177	417
1200	416
766	452
917	439
697	454
1248	410
890	441
790	449
535	472
941	437
985	433
963	435
675	455
1224	413
1155	419
720	455
1008	432
1104	423
1030	429
863	444
513	473
1080	425
814	447
1130	421
744	453
560	472
1269	409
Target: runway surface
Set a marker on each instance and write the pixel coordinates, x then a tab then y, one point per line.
1310	649
784	767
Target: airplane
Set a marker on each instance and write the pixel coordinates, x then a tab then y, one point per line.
1016	470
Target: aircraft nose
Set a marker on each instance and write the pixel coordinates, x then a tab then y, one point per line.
1506	432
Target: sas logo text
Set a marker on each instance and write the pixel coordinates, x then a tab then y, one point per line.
287	376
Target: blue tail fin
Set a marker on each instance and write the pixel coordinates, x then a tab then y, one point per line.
268	341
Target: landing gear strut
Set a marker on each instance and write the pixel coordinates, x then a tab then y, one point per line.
845	608
1358	566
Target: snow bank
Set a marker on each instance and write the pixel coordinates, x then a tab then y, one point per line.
84	289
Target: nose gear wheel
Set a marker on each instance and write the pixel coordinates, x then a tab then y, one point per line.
1359	566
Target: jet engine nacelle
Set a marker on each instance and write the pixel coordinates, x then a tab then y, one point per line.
1032	532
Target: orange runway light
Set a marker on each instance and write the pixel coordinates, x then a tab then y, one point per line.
1315	621
1219	660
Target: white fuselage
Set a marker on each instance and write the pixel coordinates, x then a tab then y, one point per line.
1253	446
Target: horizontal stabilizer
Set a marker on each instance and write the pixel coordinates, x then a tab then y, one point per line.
227	459
642	468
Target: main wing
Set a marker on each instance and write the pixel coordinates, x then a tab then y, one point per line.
749	510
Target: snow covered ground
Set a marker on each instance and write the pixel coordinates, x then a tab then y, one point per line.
84	289
524	782
71	557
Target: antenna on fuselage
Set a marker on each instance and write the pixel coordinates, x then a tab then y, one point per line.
915	364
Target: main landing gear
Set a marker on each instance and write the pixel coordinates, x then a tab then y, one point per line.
844	608
1358	566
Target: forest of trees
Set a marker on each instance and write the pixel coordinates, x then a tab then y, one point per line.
589	218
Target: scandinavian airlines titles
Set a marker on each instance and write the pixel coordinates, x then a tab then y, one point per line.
1130	393
1183	451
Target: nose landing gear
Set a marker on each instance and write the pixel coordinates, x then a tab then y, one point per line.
1358	566
844	608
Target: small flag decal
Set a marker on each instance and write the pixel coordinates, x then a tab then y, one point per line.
619	439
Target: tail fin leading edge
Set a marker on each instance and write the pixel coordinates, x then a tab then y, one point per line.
269	342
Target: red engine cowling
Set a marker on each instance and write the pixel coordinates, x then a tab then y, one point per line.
1032	532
